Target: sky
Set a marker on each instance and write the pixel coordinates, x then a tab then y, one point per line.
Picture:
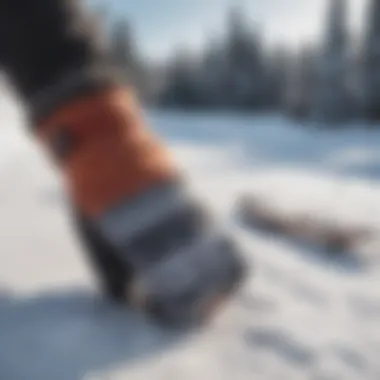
162	25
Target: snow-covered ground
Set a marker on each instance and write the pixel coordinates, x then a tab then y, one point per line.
297	317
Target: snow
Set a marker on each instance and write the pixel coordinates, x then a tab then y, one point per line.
296	317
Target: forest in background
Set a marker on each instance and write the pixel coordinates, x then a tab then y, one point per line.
333	80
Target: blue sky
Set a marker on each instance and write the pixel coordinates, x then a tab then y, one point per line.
162	25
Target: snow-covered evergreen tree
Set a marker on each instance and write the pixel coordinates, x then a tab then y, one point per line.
302	82
212	74
246	80
332	100
123	48
182	81
372	63
279	67
126	57
230	73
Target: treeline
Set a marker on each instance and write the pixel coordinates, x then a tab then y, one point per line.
335	80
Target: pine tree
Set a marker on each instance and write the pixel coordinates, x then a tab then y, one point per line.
246	84
303	79
212	74
122	46
372	63
182	84
332	96
279	65
126	57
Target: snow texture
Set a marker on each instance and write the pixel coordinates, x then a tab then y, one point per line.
297	317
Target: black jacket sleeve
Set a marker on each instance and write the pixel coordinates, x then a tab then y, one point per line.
51	48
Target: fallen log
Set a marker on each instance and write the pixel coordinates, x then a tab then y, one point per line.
305	228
